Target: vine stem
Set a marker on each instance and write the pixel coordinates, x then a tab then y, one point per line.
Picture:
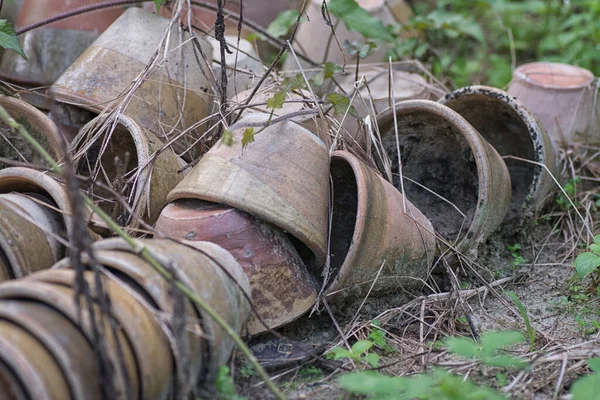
145	253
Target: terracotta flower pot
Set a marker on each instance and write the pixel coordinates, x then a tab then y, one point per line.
65	343
561	97
32	363
282	287
215	277
171	100
133	272
146	179
507	125
30	181
62	299
462	183
150	346
369	229
44	131
281	177
23	243
11	385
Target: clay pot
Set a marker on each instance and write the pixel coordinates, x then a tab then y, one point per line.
67	345
561	97
146	179
369	228
132	271
281	177
31	363
243	65
32	182
15	147
507	125
52	48
62	299
313	35
214	275
282	287
150	346
456	168
23	243
172	99
12	388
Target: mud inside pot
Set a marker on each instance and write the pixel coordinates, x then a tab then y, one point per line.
438	157
15	147
345	210
504	129
121	146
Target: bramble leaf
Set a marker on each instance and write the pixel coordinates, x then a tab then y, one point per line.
248	137
361	346
586	263
8	38
463	347
282	24
341	104
277	100
359	20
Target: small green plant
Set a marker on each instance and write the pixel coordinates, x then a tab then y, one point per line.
515	252
587	387
570	189
246	371
588	262
531	332
588	326
225	386
310	373
359	353
377	336
488	350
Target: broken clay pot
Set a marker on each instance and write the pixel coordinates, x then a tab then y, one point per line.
172	100
562	98
457	179
506	124
214	275
377	244
148	170
282	287
281	177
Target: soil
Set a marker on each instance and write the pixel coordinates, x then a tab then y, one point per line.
15	147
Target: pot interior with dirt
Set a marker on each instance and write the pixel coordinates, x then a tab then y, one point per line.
506	125
440	175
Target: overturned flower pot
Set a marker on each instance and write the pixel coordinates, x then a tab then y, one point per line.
449	172
133	163
215	277
282	287
15	147
512	130
379	244
281	177
170	103
562	98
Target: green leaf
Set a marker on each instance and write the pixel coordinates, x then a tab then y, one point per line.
372	383
158	4
362	346
341	104
277	100
359	20
295	82
329	69
594	364
282	24
463	347
248	137
494	341
340	352
597	239
504	362
595	248
8	38
586	263
372	359
227	138
586	388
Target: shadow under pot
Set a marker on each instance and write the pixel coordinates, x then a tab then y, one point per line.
379	244
513	131
450	173
282	288
281	177
215	277
129	161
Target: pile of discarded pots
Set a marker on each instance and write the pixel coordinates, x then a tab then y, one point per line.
268	225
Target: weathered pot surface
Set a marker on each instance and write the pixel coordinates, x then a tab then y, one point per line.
462	183
373	236
562	99
173	98
282	287
149	344
511	129
220	282
62	299
69	347
281	177
145	178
